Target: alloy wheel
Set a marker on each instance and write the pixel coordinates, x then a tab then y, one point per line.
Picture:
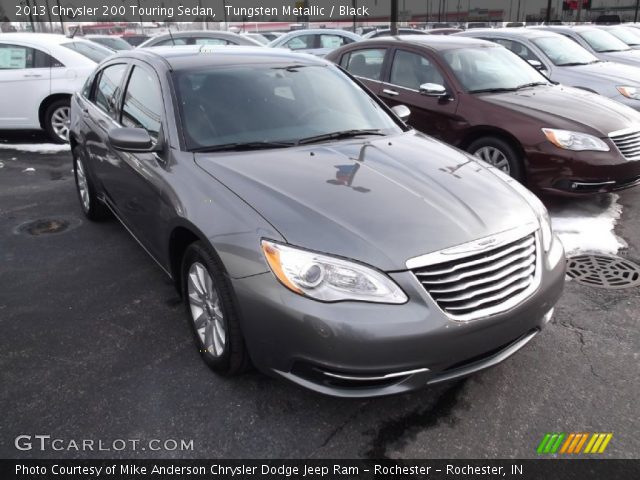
60	122
206	311
83	186
495	157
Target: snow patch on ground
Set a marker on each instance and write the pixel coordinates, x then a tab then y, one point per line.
586	225
37	147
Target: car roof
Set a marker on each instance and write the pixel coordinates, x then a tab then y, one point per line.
433	42
41	38
193	56
518	32
567	28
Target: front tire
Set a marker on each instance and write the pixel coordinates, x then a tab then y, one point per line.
92	208
211	311
57	119
500	154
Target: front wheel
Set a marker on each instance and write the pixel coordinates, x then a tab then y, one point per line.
57	119
211	311
498	153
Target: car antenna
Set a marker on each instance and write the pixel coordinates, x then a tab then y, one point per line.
74	31
172	39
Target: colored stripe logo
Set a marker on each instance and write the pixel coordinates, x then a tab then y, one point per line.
574	443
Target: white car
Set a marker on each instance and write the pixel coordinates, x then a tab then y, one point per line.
38	74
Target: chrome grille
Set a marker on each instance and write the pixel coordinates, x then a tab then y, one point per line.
482	284
628	142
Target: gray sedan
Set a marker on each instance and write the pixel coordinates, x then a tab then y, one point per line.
308	229
315	41
199	37
566	62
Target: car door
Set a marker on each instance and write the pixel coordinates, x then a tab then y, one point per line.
367	64
25	81
407	72
137	180
99	113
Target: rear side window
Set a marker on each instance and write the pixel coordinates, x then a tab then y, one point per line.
108	88
19	57
211	41
333	41
365	63
301	42
143	105
171	41
94	52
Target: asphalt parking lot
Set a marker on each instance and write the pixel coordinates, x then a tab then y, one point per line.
94	345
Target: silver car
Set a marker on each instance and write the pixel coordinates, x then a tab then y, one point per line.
629	35
317	42
199	37
599	42
566	62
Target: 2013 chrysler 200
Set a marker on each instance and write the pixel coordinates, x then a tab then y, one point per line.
307	227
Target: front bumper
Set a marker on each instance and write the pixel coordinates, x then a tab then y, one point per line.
554	170
357	349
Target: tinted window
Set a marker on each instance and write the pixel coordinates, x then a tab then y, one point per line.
301	42
115	43
365	63
411	70
143	105
17	57
92	51
518	48
108	88
261	103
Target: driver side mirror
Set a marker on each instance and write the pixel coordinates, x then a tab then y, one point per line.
402	111
537	64
134	140
433	90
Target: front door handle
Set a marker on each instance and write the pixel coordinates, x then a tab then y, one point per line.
32	75
393	93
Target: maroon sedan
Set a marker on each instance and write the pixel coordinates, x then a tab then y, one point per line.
480	97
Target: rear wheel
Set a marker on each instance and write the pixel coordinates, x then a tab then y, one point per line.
57	119
211	311
498	153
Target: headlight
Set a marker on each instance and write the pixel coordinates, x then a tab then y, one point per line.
574	140
328	278
546	232
630	92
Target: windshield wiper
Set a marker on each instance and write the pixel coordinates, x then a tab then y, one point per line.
532	84
240	146
614	50
493	90
572	64
338	135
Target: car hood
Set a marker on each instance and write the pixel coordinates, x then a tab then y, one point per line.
568	108
613	73
378	200
628	57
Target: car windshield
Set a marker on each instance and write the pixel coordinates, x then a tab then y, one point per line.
627	35
564	52
114	43
602	41
484	69
267	104
91	50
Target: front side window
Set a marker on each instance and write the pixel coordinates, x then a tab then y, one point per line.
365	63
411	70
603	42
211	41
564	52
518	48
108	88
143	104
301	42
333	41
171	41
482	69
266	103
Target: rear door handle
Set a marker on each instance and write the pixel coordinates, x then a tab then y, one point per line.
393	93
32	75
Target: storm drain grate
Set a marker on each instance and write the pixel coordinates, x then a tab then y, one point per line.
603	271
